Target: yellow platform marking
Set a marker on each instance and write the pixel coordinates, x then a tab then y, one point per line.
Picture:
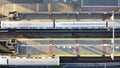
41	55
90	55
69	55
66	38
117	54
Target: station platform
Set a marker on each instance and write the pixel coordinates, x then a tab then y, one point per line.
84	47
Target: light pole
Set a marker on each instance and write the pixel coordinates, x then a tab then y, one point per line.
113	35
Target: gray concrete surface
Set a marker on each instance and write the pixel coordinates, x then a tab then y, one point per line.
69	47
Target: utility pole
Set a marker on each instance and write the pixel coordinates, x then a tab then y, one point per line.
113	35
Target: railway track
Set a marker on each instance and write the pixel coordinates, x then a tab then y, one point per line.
56	33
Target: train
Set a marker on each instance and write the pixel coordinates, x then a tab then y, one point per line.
59	25
15	60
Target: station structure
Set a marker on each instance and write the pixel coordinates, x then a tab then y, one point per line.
56	46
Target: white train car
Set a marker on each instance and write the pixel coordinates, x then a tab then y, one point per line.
34	61
3	60
80	25
116	24
7	60
26	25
